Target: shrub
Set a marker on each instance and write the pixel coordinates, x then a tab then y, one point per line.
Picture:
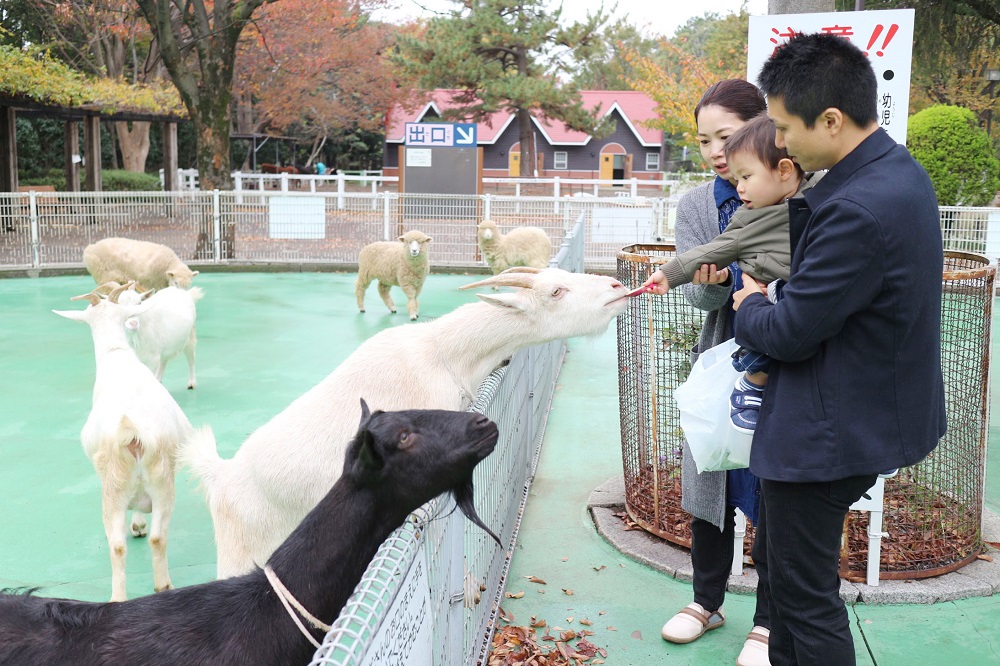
957	155
129	181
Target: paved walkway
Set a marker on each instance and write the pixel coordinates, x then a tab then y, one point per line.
628	600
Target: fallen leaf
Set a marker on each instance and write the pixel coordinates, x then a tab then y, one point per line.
586	622
637	634
569	620
600	568
536	579
514	595
568	635
984	557
612	628
602	612
569	592
565	559
536	622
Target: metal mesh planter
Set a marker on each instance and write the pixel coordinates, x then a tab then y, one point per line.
932	511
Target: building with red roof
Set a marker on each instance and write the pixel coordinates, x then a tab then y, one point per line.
631	150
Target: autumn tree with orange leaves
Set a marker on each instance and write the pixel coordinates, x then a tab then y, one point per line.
703	51
310	69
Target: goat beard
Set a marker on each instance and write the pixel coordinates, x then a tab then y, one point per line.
464	500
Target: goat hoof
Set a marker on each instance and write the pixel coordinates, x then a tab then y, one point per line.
168	586
139	529
361	311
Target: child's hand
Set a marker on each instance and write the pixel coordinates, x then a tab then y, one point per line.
708	274
657	283
750	286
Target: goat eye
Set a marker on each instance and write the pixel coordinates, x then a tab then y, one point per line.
405	439
557	292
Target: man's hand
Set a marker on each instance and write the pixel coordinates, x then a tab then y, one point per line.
750	286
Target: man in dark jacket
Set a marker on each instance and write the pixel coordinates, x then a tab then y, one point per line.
857	386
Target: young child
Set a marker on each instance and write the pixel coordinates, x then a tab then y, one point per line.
755	242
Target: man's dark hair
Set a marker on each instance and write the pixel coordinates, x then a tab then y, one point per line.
814	72
735	96
756	138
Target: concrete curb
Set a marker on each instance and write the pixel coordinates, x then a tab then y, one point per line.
978	579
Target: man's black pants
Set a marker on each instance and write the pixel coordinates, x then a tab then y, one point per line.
797	550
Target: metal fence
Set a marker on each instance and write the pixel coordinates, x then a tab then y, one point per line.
40	230
416	602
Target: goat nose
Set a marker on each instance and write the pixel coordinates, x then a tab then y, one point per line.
615	284
482	420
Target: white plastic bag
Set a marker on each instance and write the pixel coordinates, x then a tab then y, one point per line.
703	401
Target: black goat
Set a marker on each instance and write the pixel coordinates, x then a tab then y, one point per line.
397	462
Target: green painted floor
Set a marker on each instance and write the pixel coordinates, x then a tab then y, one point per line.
264	339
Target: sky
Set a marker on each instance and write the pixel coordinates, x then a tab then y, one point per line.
652	16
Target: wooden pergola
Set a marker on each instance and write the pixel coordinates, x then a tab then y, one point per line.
90	116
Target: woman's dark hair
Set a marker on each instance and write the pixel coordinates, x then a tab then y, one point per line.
815	72
734	95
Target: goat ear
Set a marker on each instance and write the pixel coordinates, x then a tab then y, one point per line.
511	301
367	460
365	413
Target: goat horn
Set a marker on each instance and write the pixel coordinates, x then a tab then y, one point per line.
93	297
117	291
503	280
522	269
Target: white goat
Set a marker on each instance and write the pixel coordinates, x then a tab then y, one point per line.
403	264
168	328
131	436
151	265
287	465
521	246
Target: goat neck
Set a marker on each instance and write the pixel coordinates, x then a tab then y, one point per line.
477	350
327	554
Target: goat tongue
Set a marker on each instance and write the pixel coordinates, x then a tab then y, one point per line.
464	501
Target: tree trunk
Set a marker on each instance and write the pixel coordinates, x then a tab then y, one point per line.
527	138
134	144
211	125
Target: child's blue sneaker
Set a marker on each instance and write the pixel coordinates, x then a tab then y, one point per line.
889	474
744	405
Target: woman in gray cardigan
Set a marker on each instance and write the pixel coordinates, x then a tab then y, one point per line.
711	497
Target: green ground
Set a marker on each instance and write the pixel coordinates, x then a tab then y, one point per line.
264	339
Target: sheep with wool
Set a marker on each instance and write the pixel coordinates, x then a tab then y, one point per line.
161	333
402	263
131	436
150	265
286	466
396	462
521	246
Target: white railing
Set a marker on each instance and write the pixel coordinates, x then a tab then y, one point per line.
40	230
50	230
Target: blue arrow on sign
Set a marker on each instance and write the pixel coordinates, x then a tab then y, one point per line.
465	134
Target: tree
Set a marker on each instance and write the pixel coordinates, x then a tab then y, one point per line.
957	155
310	70
106	38
198	42
607	68
506	54
704	50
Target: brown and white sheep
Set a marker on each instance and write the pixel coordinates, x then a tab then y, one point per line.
150	265
522	246
402	263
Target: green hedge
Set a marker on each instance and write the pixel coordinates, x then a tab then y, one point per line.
957	155
129	181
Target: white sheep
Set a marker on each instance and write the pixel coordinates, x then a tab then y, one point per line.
150	265
168	328
403	264
132	436
522	246
287	465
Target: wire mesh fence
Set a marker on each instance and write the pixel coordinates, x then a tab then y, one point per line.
41	230
932	511
433	590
